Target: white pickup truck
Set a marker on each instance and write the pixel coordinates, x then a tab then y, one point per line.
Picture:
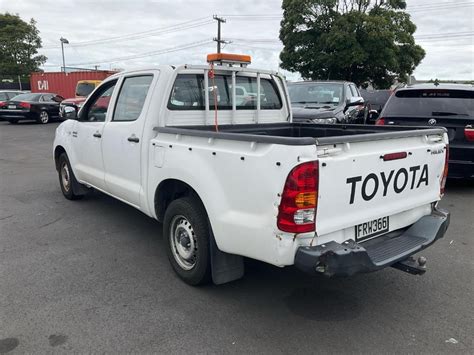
244	181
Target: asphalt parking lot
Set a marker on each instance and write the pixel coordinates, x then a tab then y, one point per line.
93	276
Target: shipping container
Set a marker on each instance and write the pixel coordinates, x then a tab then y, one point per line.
64	84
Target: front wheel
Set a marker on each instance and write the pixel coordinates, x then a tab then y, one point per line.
43	117
187	233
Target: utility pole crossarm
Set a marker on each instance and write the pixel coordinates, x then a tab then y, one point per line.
218	39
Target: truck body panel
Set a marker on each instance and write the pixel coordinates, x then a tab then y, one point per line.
239	168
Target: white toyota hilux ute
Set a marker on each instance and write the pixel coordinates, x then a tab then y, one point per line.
236	178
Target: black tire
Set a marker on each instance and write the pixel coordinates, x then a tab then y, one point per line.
43	117
13	121
67	189
198	272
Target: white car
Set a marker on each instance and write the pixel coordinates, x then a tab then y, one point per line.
247	182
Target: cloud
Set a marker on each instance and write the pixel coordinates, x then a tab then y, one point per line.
91	20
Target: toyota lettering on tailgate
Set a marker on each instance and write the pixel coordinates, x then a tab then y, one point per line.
398	180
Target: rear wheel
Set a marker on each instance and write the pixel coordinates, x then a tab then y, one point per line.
43	117
187	233
67	179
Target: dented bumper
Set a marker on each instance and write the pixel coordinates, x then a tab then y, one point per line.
349	258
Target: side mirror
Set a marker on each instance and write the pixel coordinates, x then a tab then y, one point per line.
355	101
70	113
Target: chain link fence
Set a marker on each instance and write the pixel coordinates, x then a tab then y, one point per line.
14	82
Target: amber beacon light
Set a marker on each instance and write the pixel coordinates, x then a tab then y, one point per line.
229	58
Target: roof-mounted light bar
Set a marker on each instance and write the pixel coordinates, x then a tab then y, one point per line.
228	58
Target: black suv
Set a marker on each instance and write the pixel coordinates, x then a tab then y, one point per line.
450	106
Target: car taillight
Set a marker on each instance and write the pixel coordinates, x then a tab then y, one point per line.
445	171
297	210
380	122
24	105
2	103
469	133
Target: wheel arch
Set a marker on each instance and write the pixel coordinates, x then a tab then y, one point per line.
169	190
57	153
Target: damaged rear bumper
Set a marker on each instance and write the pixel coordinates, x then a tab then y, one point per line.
349	258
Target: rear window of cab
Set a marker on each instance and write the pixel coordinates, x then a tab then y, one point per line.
188	93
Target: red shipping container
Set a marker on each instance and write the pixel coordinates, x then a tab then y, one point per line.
64	84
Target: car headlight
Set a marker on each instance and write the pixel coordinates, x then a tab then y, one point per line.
330	120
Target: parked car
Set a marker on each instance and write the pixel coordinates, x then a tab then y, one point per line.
38	107
6	95
325	102
83	89
450	106
245	181
375	100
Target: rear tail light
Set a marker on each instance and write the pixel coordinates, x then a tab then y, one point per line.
297	210
380	122
469	133
24	105
2	103
445	171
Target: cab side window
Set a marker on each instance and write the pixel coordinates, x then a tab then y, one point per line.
348	92
354	90
132	97
96	110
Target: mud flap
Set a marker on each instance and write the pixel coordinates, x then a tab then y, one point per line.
225	267
78	188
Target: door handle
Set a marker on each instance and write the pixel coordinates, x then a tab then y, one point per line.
97	135
133	138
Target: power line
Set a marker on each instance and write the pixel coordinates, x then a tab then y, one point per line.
446	34
143	34
146	54
444	7
447	3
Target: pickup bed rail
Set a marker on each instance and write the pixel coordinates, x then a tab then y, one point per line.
301	133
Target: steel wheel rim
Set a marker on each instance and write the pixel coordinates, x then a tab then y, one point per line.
65	177
44	117
183	242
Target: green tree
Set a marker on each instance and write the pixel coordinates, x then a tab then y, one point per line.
19	44
364	41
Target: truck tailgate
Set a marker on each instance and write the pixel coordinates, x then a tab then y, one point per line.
363	183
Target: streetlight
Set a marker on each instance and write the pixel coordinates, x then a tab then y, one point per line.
63	41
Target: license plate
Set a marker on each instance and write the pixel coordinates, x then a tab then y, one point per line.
11	107
371	229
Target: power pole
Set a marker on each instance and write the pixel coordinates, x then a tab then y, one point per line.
63	41
218	39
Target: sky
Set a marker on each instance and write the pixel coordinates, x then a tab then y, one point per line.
127	34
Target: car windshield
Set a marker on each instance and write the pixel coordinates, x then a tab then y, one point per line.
84	89
26	97
317	93
431	103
